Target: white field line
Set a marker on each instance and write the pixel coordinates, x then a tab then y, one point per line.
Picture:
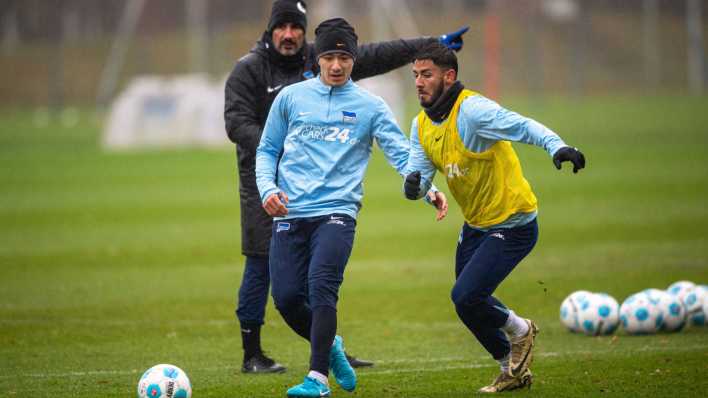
119	322
439	364
491	364
547	354
214	322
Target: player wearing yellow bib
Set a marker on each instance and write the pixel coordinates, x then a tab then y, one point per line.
467	137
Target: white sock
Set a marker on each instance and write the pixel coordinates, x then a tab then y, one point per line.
515	326
319	377
504	363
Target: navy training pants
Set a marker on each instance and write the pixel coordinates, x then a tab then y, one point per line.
307	261
484	259
253	293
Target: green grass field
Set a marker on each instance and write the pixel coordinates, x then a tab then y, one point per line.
113	262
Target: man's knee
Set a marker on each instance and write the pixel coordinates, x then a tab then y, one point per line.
464	297
287	300
323	298
324	291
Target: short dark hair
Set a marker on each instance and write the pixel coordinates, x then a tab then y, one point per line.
441	56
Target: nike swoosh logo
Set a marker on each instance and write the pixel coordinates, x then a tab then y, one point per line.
273	89
437	138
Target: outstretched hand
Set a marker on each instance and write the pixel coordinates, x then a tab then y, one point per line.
569	154
274	205
440	201
453	40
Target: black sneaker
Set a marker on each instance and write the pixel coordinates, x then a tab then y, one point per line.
358	363
260	363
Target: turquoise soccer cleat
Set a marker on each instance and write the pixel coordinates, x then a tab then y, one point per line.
310	388
342	370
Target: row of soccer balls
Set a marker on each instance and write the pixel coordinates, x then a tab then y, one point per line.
649	311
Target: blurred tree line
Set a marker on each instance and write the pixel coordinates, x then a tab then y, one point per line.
55	52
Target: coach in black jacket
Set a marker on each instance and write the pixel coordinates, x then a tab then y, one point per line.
280	58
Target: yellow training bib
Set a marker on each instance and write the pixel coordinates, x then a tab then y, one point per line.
489	186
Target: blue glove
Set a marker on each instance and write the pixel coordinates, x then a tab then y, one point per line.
453	40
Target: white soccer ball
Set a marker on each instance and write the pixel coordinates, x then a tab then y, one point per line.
705	309
693	300
571	306
599	314
673	312
680	288
639	315
654	295
164	381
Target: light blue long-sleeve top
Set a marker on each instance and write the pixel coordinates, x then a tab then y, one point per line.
316	145
482	122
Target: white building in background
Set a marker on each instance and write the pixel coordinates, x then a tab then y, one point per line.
167	112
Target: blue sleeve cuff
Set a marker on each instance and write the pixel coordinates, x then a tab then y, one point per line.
269	192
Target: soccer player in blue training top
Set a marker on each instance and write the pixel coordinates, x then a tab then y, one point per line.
467	137
282	57
310	164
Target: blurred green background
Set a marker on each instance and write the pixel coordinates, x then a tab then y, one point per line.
114	260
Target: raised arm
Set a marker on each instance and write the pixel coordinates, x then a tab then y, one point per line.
491	121
381	57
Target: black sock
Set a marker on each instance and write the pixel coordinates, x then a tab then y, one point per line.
324	327
251	340
299	318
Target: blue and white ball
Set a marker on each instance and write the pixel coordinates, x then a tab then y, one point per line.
164	381
654	295
599	315
680	288
570	308
672	309
639	315
705	306
693	301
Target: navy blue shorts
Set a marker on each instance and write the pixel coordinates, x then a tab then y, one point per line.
307	259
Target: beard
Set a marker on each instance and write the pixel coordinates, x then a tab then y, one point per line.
287	52
434	97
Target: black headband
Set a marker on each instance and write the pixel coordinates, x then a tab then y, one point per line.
335	35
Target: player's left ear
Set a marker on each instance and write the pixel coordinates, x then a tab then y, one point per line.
449	76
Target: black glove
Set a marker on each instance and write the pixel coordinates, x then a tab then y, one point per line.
569	154
412	185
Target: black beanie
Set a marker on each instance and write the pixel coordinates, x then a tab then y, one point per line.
335	35
284	11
